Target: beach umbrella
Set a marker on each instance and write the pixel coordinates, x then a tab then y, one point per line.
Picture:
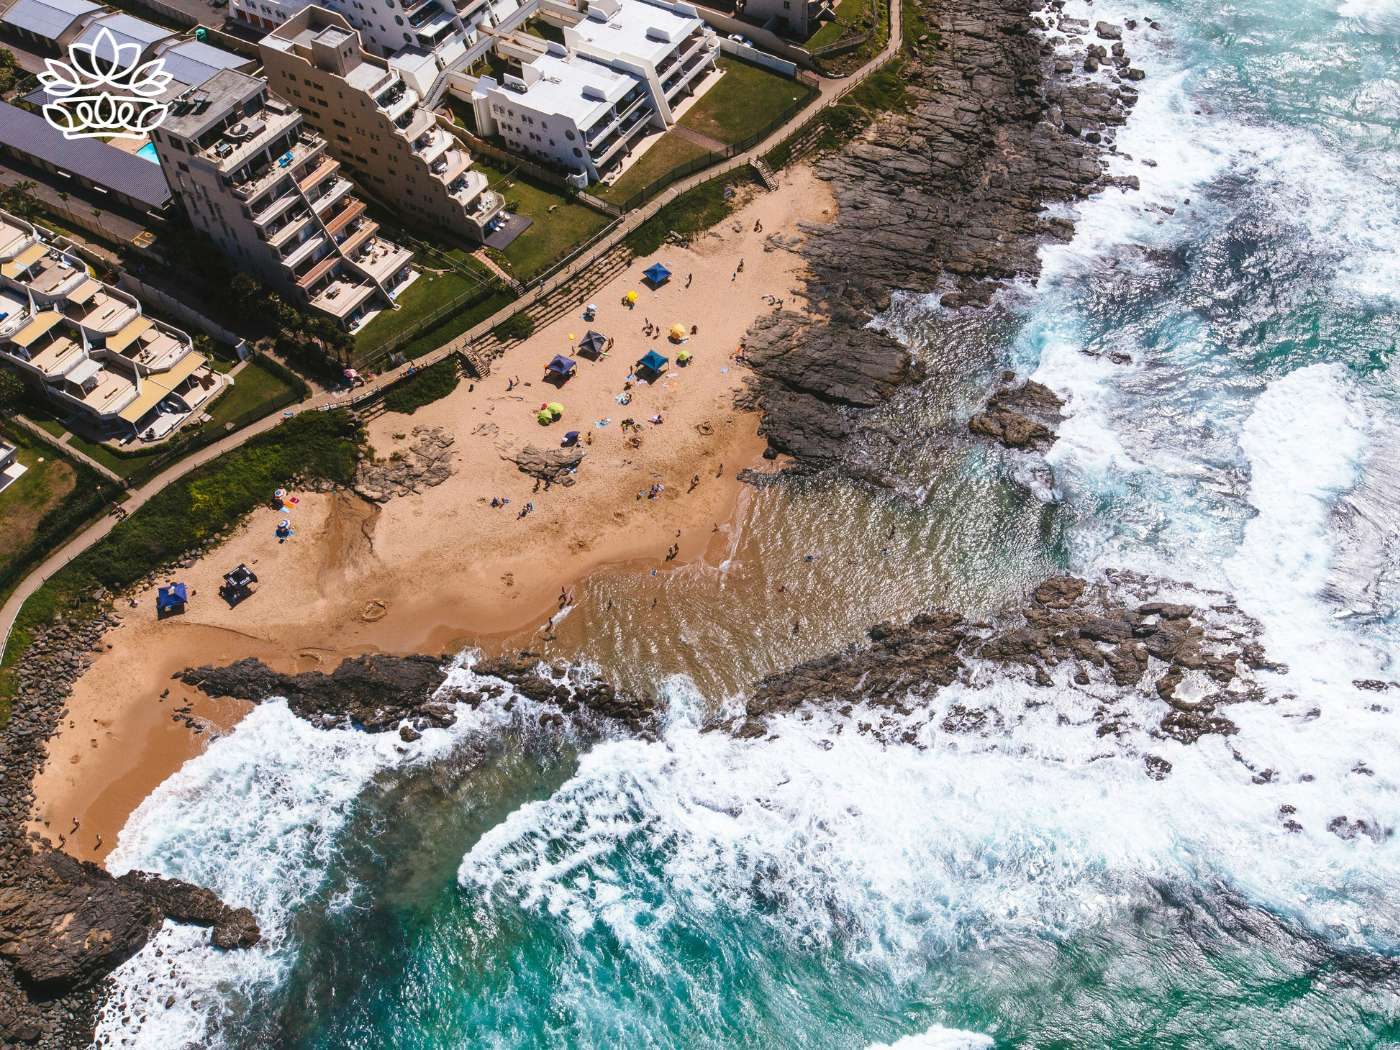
683	357
543	417
678	332
555	409
571	337
631	297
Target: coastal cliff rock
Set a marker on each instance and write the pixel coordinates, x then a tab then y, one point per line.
376	692
945	194
428	461
1105	633
1022	417
550	465
65	923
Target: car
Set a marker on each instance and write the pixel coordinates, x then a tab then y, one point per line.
739	38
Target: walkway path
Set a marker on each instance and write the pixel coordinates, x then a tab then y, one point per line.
830	92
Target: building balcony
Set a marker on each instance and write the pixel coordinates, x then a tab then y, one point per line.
689	73
379	259
280	164
303	251
435	29
358	236
629	131
318	271
354	208
318	174
432	143
333	194
102	313
273	207
284	234
625	108
105	394
342	295
450	165
54	356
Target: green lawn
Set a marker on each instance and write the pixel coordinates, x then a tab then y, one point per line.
560	224
666	154
428	294
849	14
253	386
744	101
852	17
120	465
46	484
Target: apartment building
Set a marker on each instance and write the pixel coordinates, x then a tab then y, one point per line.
441	29
251	175
666	45
374	124
563	109
88	346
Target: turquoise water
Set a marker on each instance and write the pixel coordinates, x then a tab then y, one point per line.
148	152
497	887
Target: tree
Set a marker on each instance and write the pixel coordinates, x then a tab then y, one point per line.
10	72
12	390
18	199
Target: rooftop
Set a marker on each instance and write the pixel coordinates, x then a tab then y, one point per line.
127	29
192	62
95	161
573	87
216	98
643	30
47	18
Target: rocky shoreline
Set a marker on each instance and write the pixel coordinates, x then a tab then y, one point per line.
946	195
66	924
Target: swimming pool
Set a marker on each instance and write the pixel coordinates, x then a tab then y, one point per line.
148	152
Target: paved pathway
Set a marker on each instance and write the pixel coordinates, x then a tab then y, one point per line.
830	92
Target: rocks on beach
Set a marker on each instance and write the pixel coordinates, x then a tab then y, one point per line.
429	460
1020	416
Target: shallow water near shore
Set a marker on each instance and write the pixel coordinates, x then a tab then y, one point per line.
497	886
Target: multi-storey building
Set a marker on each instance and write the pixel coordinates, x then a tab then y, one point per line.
373	123
664	44
262	185
562	108
88	346
440	28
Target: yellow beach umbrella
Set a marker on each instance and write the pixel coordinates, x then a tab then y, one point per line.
631	297
678	331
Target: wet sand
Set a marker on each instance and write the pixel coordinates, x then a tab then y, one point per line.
441	569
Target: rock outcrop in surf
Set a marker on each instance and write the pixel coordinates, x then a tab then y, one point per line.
945	194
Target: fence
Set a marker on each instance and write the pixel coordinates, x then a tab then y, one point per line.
770	41
753	56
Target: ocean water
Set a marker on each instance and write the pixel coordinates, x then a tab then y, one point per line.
492	886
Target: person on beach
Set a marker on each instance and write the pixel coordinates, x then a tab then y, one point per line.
687	279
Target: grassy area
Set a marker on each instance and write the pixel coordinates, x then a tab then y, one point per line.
432	384
687	215
254	385
560	225
188	512
668	153
48	481
122	464
852	17
849	14
745	101
449	328
430	293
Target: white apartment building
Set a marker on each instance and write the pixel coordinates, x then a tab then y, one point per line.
374	124
88	346
438	29
666	45
563	109
252	176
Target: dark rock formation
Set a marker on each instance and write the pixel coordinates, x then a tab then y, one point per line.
1104	633
945	194
1022	416
428	461
376	692
563	687
555	466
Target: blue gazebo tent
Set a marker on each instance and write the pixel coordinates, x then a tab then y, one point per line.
656	274
593	343
652	362
171	599
561	366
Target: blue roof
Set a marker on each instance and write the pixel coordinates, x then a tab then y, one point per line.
47	18
654	361
127	29
656	273
192	62
176	594
92	159
561	364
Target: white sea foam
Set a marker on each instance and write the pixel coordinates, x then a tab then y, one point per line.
939	1038
254	818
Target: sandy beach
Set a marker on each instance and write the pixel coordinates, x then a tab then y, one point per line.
441	569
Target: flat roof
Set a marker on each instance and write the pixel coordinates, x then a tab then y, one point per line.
639	29
225	91
99	163
126	29
561	86
47	18
192	62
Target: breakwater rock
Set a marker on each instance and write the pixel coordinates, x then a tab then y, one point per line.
1104	638
946	194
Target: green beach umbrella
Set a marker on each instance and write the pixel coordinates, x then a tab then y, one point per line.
556	409
544	417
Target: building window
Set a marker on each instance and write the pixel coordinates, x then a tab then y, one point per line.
570	136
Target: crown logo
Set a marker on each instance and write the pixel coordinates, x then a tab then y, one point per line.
104	89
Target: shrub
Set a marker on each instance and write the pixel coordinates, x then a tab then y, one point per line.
519	326
431	384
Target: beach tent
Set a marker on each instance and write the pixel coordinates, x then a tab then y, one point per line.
652	362
679	332
238	584
593	343
171	599
656	274
561	366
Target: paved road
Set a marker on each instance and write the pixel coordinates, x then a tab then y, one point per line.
830	93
